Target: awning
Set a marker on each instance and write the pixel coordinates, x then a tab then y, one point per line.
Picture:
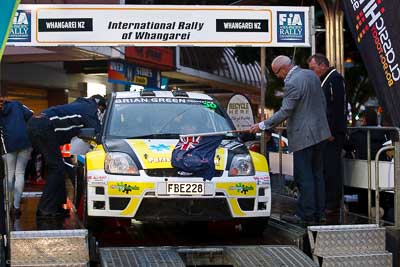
214	68
14	54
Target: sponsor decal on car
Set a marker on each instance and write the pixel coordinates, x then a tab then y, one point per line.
238	188
96	179
128	188
125	188
262	180
242	188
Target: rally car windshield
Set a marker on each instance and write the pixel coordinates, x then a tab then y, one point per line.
165	120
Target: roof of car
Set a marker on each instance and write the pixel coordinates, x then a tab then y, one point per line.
161	94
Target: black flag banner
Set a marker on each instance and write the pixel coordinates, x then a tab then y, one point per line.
376	29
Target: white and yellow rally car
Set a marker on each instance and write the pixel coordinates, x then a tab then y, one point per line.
130	174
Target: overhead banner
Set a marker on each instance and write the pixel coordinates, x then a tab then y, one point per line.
375	27
7	16
152	25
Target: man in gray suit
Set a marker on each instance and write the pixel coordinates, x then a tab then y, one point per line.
304	107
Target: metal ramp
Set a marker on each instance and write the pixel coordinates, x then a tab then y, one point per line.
349	245
237	256
49	248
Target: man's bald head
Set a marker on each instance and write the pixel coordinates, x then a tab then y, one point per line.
281	66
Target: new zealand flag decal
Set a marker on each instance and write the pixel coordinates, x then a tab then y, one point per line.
195	154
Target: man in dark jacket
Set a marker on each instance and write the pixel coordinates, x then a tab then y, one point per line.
49	130
334	89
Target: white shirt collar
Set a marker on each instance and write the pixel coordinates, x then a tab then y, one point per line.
290	73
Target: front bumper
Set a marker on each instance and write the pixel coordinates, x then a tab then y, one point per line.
145	198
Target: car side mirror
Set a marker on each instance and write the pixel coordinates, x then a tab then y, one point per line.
87	134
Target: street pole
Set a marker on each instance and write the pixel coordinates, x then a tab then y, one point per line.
312	18
334	33
262	98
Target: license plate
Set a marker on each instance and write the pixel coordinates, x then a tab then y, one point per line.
185	188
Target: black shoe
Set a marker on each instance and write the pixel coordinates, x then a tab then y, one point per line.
42	214
296	219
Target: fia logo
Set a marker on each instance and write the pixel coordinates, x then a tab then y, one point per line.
290	19
21	27
290	26
20	18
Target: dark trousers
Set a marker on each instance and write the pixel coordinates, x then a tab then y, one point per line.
2	189
308	174
333	172
2	211
43	139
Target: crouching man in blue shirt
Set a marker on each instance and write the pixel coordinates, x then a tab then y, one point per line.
49	130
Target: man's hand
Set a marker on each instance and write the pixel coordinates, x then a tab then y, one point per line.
255	128
331	138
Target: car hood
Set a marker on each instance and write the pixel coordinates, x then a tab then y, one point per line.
156	153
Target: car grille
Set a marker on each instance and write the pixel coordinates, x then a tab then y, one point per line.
182	209
173	172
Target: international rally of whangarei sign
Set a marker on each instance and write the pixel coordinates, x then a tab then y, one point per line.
113	25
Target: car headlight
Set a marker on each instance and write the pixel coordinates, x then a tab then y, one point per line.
120	163
241	165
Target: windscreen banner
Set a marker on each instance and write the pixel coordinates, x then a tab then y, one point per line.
166	25
375	27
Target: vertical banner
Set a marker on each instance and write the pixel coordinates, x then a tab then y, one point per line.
376	30
7	11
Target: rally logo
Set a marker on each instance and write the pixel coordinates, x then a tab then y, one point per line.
291	27
21	27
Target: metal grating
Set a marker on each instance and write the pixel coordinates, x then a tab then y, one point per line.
238	256
268	256
49	248
144	257
370	260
